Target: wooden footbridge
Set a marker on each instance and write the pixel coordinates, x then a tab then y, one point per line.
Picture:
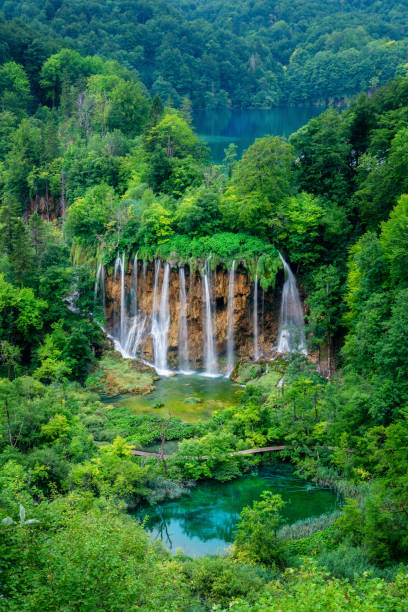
248	451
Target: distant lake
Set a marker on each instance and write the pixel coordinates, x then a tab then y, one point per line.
218	128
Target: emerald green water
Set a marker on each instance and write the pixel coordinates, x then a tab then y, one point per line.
203	522
219	128
188	397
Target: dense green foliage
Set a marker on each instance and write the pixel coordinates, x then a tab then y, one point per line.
92	166
221	53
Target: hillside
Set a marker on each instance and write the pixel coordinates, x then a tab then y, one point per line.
240	54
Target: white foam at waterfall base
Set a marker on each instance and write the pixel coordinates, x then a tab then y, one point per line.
291	338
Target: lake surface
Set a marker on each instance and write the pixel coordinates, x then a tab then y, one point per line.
219	128
203	522
188	397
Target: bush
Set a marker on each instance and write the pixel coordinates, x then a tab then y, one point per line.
219	579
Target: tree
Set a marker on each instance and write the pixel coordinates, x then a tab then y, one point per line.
323	156
198	213
14	88
65	66
298	227
394	241
261	181
88	217
256	531
382	181
325	308
120	104
156	225
230	158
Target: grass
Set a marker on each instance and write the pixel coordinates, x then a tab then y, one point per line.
308	527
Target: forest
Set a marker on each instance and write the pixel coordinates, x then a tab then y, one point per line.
218	54
99	160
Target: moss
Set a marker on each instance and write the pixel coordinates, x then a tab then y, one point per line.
247	371
116	376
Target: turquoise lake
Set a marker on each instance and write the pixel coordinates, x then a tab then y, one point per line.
203	522
219	128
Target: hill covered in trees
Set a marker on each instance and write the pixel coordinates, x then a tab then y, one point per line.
240	54
91	166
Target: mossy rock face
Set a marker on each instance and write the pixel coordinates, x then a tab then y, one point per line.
114	375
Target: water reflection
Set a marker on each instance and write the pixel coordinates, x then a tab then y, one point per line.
204	522
219	128
188	397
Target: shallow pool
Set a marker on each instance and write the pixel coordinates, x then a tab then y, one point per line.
203	522
188	397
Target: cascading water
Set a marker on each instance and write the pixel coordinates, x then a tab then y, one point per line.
183	330
117	328
256	322
135	336
291	338
161	322
137	328
157	266
263	315
230	324
210	357
134	288
100	283
123	317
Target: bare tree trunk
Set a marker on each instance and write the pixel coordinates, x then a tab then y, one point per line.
63	195
329	355
163	436
47	202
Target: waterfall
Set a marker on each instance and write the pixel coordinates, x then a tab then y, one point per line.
230	324
137	328
256	322
155	288
100	282
135	279
263	315
183	331
291	336
123	318
135	336
161	321
120	265
210	357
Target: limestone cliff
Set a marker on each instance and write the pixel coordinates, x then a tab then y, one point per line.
268	310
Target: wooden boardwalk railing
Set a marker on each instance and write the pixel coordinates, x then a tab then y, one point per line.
248	451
